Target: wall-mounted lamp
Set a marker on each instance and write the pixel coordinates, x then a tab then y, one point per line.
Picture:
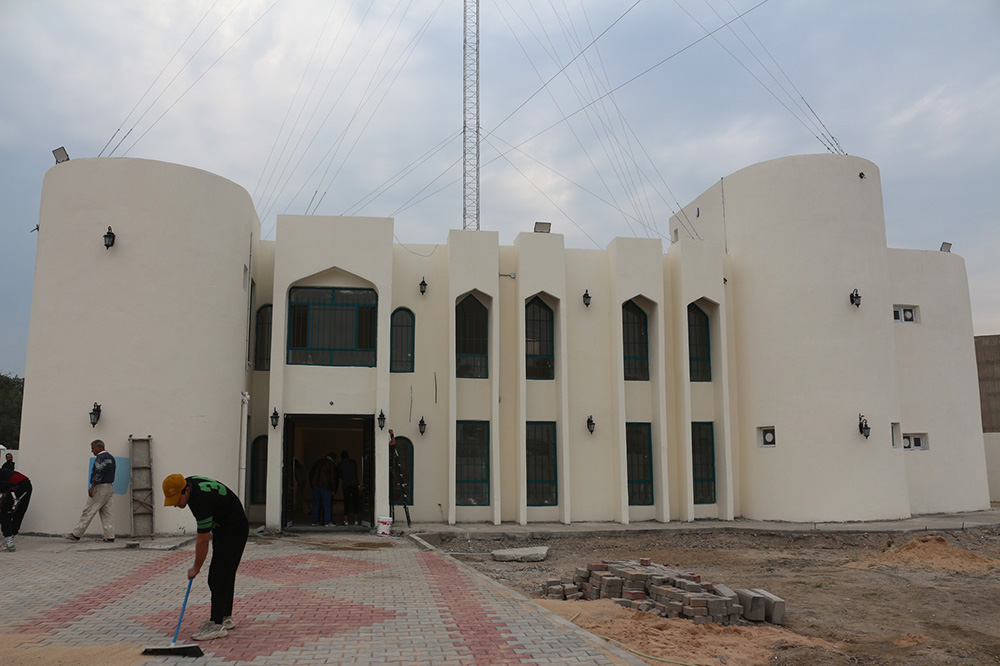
109	239
856	299
423	286
95	415
591	424
863	426
586	297
274	418
381	419
61	155
422	426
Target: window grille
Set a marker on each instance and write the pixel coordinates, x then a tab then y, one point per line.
262	344
703	462
332	326
541	463
471	339
401	341
472	463
539	356
639	460
635	342
699	345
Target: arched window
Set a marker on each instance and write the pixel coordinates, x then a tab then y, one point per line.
471	338
262	346
258	470
539	359
402	479
401	341
635	345
699	345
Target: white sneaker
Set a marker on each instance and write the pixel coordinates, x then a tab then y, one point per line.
209	630
228	623
9	542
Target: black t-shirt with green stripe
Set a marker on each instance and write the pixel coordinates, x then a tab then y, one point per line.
216	508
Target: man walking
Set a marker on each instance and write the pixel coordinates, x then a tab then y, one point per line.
220	519
323	479
102	489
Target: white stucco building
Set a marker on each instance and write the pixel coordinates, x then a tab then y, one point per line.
729	376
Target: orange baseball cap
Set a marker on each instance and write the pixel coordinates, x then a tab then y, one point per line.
173	486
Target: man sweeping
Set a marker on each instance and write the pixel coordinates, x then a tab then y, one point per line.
220	517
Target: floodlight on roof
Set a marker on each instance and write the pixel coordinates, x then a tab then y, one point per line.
542	227
61	155
946	247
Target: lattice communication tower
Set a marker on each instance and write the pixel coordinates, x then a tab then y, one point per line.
470	126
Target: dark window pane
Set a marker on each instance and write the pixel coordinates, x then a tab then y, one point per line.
332	326
703	462
639	460
634	342
401	341
471	338
472	463
401	474
699	345
539	343
541	464
262	345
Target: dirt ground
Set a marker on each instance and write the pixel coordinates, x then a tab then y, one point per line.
873	599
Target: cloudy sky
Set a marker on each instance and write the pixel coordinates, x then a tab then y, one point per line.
601	116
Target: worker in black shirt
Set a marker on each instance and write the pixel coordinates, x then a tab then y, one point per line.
220	517
16	493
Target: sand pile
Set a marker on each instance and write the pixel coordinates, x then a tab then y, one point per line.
678	639
930	552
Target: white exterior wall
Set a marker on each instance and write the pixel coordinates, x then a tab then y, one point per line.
937	364
154	329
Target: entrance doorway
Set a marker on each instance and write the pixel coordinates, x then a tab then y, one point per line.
310	437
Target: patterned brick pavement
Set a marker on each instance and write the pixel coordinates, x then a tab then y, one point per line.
345	600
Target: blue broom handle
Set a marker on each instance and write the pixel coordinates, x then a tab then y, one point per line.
183	606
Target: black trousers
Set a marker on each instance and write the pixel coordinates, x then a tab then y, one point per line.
13	507
352	503
227	550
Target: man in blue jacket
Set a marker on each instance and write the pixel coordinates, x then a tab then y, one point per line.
101	492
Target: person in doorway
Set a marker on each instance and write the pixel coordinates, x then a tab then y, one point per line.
220	518
10	462
348	473
323	479
16	489
102	490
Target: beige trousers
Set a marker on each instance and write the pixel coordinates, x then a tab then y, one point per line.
99	503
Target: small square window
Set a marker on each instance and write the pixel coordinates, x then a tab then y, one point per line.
906	314
765	437
915	441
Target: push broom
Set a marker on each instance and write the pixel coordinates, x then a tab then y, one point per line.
186	650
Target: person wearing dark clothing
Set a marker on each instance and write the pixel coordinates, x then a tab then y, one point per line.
220	519
100	494
348	473
10	462
323	479
16	489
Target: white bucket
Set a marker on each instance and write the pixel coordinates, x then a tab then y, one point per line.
382	526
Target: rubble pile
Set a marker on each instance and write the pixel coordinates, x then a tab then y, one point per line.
668	592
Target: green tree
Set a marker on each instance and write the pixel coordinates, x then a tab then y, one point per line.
11	395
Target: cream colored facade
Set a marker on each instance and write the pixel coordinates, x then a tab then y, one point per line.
162	329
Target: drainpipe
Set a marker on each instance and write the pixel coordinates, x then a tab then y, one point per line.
244	409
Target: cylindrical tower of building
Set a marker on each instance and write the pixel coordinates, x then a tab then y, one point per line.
153	328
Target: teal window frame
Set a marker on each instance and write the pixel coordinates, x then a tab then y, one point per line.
262	341
635	342
539	340
332	326
402	328
472	463
404	449
542	463
639	463
472	339
703	461
699	344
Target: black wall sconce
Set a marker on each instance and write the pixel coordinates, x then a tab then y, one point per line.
586	297
856	299
109	239
95	415
381	419
274	418
423	286
863	426
422	426
591	424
